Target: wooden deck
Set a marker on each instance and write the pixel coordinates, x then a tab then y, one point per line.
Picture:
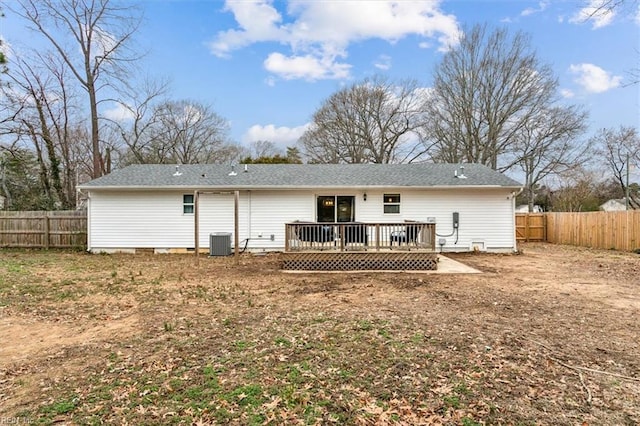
357	246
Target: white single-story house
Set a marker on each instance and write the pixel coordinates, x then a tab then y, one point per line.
614	205
152	206
524	208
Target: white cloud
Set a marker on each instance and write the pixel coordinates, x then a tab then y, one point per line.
306	67
323	31
383	62
278	135
542	6
596	12
118	112
593	78
257	20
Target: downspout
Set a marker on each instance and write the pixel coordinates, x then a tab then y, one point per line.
196	227
514	195
79	191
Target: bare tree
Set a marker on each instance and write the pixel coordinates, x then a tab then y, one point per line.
367	122
576	192
130	134
485	92
598	8
185	132
3	57
43	114
99	32
621	150
263	149
19	181
547	144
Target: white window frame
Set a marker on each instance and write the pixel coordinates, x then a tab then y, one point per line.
388	200
188	205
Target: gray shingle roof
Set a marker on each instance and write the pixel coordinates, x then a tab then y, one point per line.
287	176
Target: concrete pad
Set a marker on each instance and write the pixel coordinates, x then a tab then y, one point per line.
447	265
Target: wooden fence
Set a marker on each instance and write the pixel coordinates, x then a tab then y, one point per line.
41	229
602	230
531	227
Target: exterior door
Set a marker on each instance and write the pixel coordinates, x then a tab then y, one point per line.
344	209
335	208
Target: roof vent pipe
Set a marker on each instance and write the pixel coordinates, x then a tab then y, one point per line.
246	168
177	172
233	171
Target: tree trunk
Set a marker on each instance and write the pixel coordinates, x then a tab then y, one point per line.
95	136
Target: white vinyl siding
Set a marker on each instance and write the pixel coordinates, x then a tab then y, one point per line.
485	214
156	219
139	219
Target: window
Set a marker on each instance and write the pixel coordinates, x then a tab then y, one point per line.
187	204
391	203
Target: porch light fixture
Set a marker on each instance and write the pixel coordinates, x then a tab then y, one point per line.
364	196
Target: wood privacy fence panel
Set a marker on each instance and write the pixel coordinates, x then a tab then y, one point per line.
40	229
603	230
531	227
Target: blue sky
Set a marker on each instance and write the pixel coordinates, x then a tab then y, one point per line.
267	66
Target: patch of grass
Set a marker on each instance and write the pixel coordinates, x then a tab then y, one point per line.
63	406
64	295
281	341
241	345
364	325
451	400
461	389
246	395
417	338
294	375
383	332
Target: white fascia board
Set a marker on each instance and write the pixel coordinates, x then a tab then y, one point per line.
289	188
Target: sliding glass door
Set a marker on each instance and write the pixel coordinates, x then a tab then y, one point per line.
335	208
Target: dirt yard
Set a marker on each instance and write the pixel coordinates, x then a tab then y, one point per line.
549	336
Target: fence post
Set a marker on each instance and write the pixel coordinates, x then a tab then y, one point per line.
47	231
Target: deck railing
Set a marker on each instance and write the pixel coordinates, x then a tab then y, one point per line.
359	236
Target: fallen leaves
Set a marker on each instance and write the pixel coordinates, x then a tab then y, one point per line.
245	347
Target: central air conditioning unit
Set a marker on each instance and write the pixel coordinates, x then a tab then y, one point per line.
220	244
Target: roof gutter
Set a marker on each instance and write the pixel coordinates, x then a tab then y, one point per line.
271	187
